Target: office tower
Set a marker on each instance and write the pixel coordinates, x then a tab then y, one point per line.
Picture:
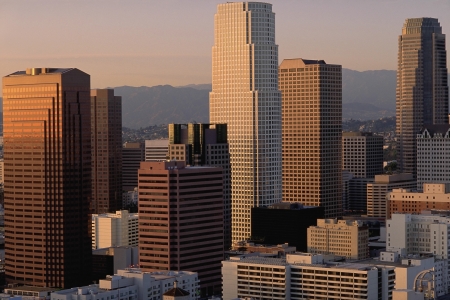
106	122
181	220
346	238
205	145
435	196
114	229
346	178
284	223
245	96
312	133
422	87
433	155
47	136
377	203
156	150
362	154
132	155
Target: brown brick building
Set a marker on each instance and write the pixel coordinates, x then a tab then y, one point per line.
181	220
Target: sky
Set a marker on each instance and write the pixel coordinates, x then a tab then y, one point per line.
154	42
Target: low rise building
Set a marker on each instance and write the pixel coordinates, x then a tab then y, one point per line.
349	239
114	229
133	284
377	204
434	196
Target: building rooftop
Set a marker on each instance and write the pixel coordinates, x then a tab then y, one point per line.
41	71
436	128
27	288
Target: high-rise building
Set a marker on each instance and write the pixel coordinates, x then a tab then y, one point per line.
180	220
106	122
132	155
422	87
245	96
312	133
362	154
433	155
205	145
47	140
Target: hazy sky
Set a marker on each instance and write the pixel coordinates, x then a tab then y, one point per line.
131	42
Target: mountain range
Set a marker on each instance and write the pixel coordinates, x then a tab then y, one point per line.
366	95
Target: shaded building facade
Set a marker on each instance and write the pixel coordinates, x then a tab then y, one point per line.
284	223
181	220
132	155
106	135
312	133
47	143
422	85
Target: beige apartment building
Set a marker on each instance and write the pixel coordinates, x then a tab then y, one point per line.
114	229
339	237
312	133
434	196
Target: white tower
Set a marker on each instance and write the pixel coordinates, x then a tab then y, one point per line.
245	95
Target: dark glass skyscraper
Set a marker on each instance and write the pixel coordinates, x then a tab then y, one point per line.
106	122
422	87
47	154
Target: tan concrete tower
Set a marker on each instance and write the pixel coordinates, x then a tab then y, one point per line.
245	96
312	133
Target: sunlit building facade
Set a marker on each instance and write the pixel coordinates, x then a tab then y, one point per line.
312	133
47	143
245	96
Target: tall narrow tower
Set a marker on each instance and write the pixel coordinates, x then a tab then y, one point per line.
312	133
47	151
245	96
422	87
106	119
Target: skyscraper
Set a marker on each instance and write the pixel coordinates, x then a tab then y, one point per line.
106	121
245	96
47	135
132	155
205	145
181	220
422	87
312	133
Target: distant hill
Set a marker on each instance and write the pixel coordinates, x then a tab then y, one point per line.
144	106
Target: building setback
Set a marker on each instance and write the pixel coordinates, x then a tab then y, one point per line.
422	87
284	223
312	132
205	145
181	220
47	153
106	122
245	96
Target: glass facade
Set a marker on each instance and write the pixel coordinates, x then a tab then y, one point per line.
47	154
